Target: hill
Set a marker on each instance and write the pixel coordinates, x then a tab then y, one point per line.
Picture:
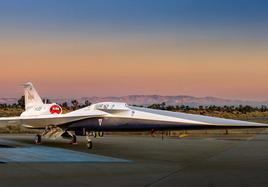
151	99
169	100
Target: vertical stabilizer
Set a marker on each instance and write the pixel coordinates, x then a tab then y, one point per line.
31	96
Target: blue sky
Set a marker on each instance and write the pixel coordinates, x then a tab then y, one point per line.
137	14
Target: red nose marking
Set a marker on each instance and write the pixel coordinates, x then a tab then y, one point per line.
55	109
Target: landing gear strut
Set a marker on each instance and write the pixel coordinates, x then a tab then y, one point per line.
38	139
74	140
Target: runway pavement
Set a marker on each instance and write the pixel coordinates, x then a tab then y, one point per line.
135	161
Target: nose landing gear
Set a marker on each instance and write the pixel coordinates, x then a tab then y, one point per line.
94	134
89	141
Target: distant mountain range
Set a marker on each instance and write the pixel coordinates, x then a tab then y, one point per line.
146	100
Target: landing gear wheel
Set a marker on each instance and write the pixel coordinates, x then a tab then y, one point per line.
89	144
38	139
74	141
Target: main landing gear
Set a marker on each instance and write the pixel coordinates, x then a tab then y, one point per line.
54	133
38	139
74	140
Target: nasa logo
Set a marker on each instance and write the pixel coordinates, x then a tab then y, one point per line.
55	109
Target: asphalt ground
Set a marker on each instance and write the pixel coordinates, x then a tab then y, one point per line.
225	160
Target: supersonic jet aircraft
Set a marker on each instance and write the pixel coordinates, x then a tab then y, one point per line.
108	116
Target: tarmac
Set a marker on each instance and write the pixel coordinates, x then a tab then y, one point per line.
226	160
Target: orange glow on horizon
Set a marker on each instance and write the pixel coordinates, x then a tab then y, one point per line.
72	69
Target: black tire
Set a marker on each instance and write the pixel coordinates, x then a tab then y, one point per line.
37	139
89	145
74	140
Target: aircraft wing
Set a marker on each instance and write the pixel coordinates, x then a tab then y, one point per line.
45	120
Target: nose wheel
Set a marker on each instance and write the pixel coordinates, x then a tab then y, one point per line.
38	139
89	141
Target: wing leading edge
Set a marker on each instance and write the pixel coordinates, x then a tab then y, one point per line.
46	120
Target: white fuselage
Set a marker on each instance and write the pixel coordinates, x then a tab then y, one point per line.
42	109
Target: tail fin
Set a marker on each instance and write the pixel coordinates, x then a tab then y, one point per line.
31	96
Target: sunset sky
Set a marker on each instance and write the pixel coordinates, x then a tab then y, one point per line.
75	48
